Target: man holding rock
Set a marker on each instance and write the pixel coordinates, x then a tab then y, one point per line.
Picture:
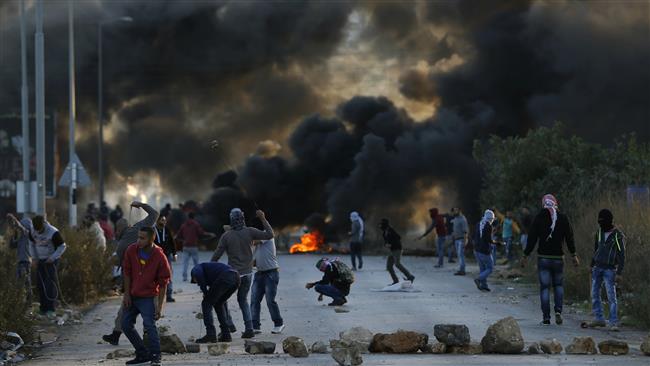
218	281
336	281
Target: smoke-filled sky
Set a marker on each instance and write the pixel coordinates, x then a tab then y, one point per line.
333	106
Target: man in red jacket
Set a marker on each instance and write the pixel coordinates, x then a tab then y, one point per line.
190	233
438	223
146	273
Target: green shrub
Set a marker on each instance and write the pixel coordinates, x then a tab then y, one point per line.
14	308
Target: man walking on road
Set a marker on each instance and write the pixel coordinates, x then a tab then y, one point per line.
265	284
163	238
550	229
438	223
190	233
218	281
483	250
356	239
237	243
394	242
459	234
146	274
127	235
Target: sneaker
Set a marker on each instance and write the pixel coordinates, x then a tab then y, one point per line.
278	329
140	360
155	360
257	330
438	266
558	319
227	338
451	261
614	328
545	322
360	265
485	289
171	299
412	278
248	333
338	302
477	283
459	273
113	338
232	329
207	339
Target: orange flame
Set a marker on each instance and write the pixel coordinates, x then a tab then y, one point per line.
310	242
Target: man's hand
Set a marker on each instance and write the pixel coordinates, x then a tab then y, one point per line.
576	261
523	262
619	278
136	204
159	312
260	215
309	285
126	300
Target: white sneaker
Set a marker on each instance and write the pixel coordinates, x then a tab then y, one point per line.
257	331
278	330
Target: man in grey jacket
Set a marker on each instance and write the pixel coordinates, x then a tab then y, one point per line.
459	236
356	239
265	284
237	243
125	236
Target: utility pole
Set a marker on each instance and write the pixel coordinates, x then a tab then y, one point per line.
72	114
40	108
100	113
24	92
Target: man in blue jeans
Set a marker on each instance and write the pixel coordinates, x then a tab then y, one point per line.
438	223
482	250
146	274
459	233
218	281
606	267
334	283
265	284
551	229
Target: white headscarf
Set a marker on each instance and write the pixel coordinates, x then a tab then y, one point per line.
354	216
549	202
488	218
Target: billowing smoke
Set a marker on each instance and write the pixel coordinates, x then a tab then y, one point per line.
185	73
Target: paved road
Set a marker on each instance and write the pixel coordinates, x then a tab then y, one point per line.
444	299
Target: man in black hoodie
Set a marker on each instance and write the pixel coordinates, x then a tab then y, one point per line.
394	242
550	229
606	266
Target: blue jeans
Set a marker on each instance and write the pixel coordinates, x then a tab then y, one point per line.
485	266
218	294
145	307
460	251
608	276
493	248
551	273
242	300
170	290
509	252
440	248
265	284
47	289
189	252
24	275
329	290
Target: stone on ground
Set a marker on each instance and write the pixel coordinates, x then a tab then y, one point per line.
193	347
295	347
399	342
435	348
503	337
259	348
218	349
645	346
120	353
551	347
452	334
534	349
358	336
346	353
171	343
468	349
613	347
582	346
319	347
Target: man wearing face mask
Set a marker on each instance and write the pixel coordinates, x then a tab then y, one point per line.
551	229
606	267
483	250
393	241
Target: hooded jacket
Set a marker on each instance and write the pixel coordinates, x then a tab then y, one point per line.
438	222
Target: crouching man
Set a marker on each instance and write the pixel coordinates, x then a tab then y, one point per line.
146	275
336	281
218	281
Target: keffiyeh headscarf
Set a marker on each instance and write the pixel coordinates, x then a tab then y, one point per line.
236	219
354	216
323	263
488	218
549	202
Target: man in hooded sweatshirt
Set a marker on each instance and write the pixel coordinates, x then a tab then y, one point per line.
550	229
127	235
393	241
356	239
438	223
606	267
237	243
483	250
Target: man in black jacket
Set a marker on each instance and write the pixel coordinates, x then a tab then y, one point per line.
333	283
550	229
164	238
393	241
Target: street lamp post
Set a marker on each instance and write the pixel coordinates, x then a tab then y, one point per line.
100	102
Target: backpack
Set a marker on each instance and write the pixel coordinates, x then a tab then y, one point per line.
344	271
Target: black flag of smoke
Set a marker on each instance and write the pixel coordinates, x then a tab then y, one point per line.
239	71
